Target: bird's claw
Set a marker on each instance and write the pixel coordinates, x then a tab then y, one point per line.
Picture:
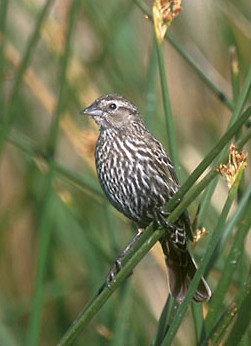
115	268
161	219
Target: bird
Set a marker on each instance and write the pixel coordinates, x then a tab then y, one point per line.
138	178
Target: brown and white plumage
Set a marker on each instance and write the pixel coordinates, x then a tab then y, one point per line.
138	178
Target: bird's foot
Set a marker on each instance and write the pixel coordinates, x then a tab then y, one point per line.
161	217
115	268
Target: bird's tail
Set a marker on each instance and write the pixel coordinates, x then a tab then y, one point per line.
181	270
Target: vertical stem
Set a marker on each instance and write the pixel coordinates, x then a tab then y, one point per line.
151	86
20	72
44	238
44	227
167	109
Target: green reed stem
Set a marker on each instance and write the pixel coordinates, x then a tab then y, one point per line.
172	144
10	112
44	226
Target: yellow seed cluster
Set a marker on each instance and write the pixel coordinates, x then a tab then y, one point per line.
164	11
236	162
199	234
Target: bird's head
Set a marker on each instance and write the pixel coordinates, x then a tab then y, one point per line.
113	111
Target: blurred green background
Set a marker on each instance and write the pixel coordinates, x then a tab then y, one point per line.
56	227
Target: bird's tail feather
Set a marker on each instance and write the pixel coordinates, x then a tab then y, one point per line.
181	270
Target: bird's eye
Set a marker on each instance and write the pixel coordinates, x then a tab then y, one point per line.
112	106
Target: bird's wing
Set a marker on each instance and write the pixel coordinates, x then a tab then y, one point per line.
165	168
163	163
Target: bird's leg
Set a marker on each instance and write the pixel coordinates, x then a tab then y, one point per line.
161	219
117	264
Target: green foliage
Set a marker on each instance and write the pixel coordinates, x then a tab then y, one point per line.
59	235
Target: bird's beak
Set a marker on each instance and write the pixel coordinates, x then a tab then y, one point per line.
92	110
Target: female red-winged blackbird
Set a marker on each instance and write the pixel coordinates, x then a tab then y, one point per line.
138	178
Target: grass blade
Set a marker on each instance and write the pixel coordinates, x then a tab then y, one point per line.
214	326
218	333
120	336
242	322
198	320
165	320
230	266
